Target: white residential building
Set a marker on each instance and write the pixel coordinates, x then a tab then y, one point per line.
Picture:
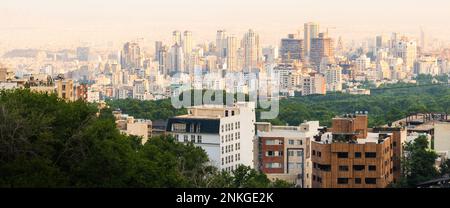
225	133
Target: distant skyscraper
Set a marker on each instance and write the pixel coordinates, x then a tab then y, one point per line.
158	47
221	43
176	59
83	54
423	43
131	56
232	48
311	31
407	50
187	50
291	48
176	37
321	47
187	42
252	50
163	60
333	76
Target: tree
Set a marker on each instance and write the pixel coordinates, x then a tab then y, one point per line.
418	164
445	168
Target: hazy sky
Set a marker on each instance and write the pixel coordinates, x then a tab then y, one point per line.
50	22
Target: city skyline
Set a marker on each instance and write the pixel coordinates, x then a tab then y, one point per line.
55	23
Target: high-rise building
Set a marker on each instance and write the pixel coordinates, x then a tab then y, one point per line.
221	43
423	42
83	53
131	56
380	42
283	152
232	56
333	75
252	51
176	59
407	50
361	64
187	43
321	47
176	37
291	49
163	62
311	31
225	133
158	47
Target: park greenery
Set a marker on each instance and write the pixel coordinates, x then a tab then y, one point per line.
47	142
384	105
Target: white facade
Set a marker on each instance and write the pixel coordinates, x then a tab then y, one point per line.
334	78
225	133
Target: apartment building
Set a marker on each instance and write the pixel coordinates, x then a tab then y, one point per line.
349	156
136	127
283	152
226	133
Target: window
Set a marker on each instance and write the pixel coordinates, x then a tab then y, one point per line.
291	165
395	144
357	154
319	154
177	137
186	138
226	113
325	168
291	153
269	154
314	177
314	152
357	180
371	181
273	142
177	127
199	139
372	168
222	150
342	180
300	142
193	138
343	168
291	142
273	165
299	153
342	154
371	154
358	167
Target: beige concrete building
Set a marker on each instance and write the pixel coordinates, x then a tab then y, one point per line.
283	152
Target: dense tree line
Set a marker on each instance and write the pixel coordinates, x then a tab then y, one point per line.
47	142
383	105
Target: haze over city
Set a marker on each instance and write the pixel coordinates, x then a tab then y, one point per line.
53	23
